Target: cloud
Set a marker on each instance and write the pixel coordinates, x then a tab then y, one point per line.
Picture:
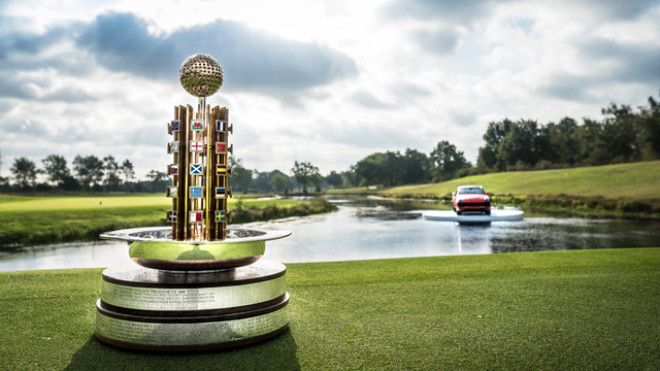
40	89
442	41
610	63
626	62
368	100
410	91
620	10
449	11
252	60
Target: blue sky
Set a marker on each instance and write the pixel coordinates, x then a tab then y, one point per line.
322	81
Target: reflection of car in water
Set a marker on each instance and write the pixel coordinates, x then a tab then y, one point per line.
471	199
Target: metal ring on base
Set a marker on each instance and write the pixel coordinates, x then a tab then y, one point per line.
190	332
153	247
134	288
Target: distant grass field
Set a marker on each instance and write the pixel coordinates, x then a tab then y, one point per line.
638	181
632	189
560	310
48	219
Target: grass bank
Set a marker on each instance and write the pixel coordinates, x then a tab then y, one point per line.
38	220
624	189
577	310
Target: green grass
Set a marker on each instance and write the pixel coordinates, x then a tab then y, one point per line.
38	220
637	181
631	190
578	310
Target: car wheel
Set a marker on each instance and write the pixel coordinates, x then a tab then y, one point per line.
459	212
487	212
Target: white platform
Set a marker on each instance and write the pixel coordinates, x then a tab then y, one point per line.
495	216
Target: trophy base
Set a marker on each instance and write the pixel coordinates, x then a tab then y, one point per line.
147	309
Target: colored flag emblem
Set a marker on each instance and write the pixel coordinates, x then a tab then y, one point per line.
220	125
196	216
197	125
172	147
220	216
172	192
171	216
220	147
173	169
220	192
222	169
196	192
196	146
174	125
196	169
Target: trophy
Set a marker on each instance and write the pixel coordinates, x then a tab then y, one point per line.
197	284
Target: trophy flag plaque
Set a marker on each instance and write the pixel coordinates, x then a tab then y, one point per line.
197	284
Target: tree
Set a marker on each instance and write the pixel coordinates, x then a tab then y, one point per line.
158	180
128	173
563	145
25	172
334	179
415	167
523	144
386	168
56	170
111	167
620	133
446	161
278	182
241	177
592	149
489	154
89	170
127	170
348	179
649	126
303	172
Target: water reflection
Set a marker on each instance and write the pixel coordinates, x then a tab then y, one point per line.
99	254
379	229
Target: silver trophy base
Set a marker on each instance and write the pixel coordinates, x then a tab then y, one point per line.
147	309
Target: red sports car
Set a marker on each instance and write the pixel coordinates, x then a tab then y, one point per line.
468	199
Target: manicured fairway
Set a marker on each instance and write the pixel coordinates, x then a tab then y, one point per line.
637	181
576	310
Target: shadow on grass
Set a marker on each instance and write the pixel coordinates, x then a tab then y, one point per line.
278	353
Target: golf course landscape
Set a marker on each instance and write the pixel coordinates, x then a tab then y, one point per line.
623	189
575	310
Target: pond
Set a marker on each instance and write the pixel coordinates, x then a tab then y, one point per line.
378	229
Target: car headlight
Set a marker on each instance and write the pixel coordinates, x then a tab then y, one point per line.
486	198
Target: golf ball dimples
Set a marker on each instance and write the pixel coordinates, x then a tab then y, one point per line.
201	75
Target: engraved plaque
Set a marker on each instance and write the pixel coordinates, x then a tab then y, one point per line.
204	298
185	333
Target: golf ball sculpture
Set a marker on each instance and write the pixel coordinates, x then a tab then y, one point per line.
196	284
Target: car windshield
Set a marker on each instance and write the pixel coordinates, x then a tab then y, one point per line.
471	191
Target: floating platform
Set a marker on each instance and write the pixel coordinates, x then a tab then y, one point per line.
495	216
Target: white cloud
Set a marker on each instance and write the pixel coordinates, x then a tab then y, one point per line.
329	83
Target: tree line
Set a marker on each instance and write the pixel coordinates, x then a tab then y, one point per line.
90	173
624	135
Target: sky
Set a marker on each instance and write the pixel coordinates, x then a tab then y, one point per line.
323	81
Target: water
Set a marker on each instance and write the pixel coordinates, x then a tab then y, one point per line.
373	229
